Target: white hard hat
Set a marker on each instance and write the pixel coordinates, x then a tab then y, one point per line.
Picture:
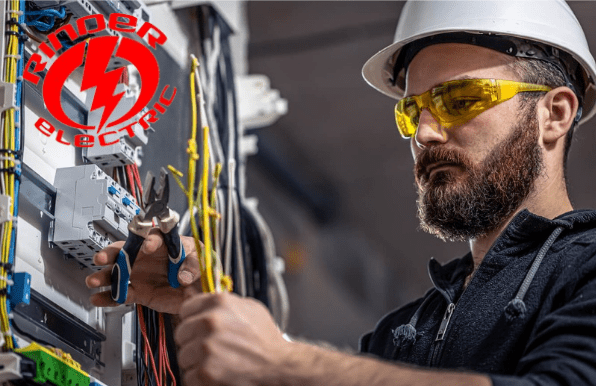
542	29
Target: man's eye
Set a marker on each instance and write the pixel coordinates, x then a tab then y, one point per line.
462	103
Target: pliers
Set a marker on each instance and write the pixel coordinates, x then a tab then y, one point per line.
156	206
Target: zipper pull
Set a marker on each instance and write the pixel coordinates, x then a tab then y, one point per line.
445	322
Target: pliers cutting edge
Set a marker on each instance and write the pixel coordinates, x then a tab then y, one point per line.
156	206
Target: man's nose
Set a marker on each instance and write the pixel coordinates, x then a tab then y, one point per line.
429	131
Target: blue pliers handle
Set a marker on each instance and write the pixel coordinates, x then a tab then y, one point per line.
128	254
176	255
123	266
156	206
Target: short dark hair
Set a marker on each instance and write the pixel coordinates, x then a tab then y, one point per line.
541	72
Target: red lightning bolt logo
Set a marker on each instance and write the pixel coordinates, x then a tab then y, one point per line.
96	57
99	52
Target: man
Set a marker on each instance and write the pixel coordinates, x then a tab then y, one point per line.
490	127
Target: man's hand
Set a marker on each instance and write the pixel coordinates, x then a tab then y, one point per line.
149	276
224	339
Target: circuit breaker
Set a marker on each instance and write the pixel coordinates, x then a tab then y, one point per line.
92	211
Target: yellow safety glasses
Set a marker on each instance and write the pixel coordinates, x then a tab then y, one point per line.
456	102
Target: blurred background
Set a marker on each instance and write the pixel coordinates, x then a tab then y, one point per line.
333	176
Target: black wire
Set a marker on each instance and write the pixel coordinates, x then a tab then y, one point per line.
171	347
257	256
121	174
138	351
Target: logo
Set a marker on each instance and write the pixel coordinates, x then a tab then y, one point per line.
95	55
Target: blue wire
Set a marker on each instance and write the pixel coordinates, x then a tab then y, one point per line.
49	12
52	14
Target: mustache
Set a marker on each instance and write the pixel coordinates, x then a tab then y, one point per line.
436	154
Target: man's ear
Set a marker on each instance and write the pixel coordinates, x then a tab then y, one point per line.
556	112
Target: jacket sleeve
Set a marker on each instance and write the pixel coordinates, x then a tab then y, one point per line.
562	349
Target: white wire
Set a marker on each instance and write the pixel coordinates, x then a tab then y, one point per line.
184	223
15	161
283	312
230	216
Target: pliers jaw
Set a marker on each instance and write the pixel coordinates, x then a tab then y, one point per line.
156	205
156	201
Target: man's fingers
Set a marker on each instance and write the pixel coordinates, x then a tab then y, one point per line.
192	377
189	271
103	299
201	302
193	327
153	242
108	254
99	279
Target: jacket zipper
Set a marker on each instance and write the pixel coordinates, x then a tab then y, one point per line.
445	322
438	343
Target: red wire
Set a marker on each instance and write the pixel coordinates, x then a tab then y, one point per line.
135	170
147	346
131	181
164	348
164	361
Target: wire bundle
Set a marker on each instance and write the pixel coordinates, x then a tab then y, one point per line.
11	155
210	265
242	239
44	20
156	362
153	364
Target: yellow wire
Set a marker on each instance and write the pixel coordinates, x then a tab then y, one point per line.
211	280
9	142
206	209
193	156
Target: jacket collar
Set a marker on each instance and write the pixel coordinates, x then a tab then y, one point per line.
523	232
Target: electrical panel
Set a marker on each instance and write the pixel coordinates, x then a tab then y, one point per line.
68	192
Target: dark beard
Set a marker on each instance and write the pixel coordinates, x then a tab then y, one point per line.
483	197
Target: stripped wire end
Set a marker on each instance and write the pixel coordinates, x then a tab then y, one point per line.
227	283
177	175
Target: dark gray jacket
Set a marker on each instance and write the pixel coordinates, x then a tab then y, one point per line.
527	317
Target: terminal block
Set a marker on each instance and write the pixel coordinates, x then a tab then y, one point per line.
20	290
130	134
55	366
117	154
92	211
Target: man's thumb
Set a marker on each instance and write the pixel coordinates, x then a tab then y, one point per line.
185	277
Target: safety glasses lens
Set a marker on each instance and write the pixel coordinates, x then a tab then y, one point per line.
450	103
407	115
456	100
